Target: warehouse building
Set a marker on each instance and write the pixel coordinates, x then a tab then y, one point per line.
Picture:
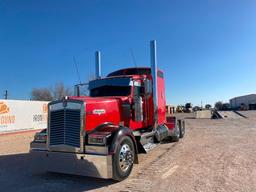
246	102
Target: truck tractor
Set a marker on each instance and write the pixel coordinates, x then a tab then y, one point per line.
102	134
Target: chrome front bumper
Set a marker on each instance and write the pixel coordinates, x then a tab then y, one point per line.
99	166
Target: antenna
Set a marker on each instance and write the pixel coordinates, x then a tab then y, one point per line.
133	58
77	72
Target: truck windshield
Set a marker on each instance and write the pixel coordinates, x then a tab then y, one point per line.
110	91
110	87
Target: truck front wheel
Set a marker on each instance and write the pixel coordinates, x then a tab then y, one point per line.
123	159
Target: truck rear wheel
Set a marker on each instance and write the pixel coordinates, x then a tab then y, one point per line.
177	132
182	129
123	159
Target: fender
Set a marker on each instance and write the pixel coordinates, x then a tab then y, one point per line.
117	132
107	126
116	139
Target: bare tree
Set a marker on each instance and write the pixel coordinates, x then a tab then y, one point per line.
48	94
218	105
59	91
41	94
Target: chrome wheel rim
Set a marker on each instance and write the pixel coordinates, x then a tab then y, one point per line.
125	157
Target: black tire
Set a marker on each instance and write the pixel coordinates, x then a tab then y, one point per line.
176	136
121	168
182	129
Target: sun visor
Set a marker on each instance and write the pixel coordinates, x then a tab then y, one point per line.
109	82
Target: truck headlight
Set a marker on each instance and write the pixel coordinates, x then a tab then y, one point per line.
98	138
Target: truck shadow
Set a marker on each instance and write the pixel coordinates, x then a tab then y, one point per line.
20	172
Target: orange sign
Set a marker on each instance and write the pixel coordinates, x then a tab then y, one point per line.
4	120
4	108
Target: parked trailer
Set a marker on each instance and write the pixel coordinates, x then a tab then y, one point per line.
101	135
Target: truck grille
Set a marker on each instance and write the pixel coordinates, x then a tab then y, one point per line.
65	126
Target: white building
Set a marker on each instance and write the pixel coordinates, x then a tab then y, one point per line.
246	102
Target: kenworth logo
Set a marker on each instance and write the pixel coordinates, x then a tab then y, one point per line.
99	111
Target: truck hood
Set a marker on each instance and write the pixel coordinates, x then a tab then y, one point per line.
99	110
92	99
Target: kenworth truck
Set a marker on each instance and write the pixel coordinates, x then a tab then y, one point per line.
101	135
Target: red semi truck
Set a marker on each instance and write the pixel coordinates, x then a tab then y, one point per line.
101	135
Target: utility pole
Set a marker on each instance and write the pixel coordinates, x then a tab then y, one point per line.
6	95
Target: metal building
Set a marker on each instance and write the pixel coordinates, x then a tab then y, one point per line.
246	102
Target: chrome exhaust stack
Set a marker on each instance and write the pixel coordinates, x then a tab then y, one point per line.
97	65
153	61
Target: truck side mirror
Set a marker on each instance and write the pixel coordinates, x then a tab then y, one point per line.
138	108
148	87
138	104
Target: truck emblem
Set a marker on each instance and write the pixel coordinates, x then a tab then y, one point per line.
99	111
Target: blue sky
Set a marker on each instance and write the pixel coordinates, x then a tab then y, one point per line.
207	48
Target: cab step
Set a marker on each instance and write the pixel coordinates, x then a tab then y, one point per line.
150	146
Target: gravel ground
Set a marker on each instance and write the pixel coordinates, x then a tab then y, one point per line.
215	155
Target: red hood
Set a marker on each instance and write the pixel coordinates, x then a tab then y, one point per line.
99	99
100	110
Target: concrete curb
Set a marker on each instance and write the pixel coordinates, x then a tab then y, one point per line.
19	132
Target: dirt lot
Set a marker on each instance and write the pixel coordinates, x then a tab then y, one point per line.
215	155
